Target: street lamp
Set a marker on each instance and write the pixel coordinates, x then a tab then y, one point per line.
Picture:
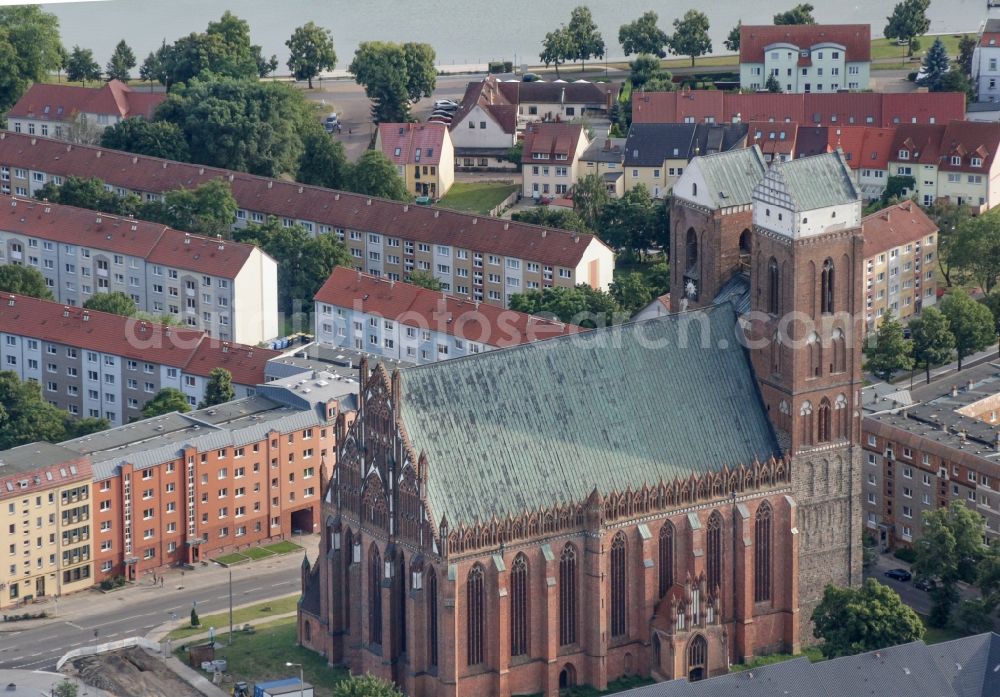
301	679
230	569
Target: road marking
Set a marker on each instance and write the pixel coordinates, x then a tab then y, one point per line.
76	644
253	590
74	626
32	655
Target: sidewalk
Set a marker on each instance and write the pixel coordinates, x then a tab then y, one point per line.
159	634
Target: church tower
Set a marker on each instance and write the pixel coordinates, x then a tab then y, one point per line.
805	330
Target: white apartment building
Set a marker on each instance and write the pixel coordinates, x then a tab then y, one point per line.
986	62
806	58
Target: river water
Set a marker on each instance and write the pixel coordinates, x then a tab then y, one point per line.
462	32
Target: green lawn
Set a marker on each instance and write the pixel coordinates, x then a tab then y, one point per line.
220	620
257	552
887	48
261	656
812	653
230	559
476	197
283	547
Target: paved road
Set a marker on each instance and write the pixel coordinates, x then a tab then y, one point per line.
138	609
917	599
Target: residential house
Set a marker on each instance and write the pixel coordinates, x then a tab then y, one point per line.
171	490
986	62
423	156
806	57
550	158
954	162
606	159
866	151
928	446
657	307
79	114
384	237
900	260
656	154
775	140
46	515
225	288
559	100
416	325
484	128
841	109
100	365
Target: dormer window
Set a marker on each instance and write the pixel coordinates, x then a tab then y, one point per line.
417	155
396	152
694	189
956	160
904	154
977	162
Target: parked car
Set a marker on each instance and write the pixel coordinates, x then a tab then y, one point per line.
898	574
439	119
443	114
924	584
332	123
445	104
543	200
530	77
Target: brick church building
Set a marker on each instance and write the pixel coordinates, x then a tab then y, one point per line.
663	498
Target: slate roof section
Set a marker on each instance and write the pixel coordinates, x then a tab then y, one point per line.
605	150
730	177
817	182
648	145
427	309
906	670
894	226
47	102
524	428
971	664
597	94
737	292
855	38
284	199
408	138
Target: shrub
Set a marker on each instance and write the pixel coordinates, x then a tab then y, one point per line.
912	77
905	554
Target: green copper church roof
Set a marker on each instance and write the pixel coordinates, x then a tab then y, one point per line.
818	181
529	427
730	177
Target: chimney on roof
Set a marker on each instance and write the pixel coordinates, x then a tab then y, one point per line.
164	165
406	207
506	225
230	176
187	238
270	184
474	220
135	158
86	315
437	213
336	196
98	152
544	233
576	238
954	390
35	140
968	386
300	189
201	170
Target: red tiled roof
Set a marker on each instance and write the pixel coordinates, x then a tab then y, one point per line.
418	307
188	349
281	198
921	141
551	139
63	102
137	238
894	226
773	138
489	95
842	108
989	39
855	38
969	139
408	138
864	147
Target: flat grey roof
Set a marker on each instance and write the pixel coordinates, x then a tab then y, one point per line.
26	458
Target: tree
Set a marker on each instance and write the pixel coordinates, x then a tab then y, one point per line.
66	688
800	14
908	21
973	617
24	280
305	261
557	48
970	322
586	40
168	399
246	125
896	186
691	35
581	305
117	303
992	301
548	216
957	81
29	50
948	552
424	279
935	66
855	620
143	137
888	352
63	60
121	62
643	69
265	66
421	74
772	85
374	175
933	342
631	292
25	417
207	209
322	162
219	388
393	76
732	41
589	198
966	51
643	36
310	52
89	193
195	622
154	67
365	686
949	218
81	66
628	224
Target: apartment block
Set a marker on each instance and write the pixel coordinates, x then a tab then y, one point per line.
927	447
385	237
900	259
415	325
986	62
806	57
179	488
96	364
46	516
224	288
